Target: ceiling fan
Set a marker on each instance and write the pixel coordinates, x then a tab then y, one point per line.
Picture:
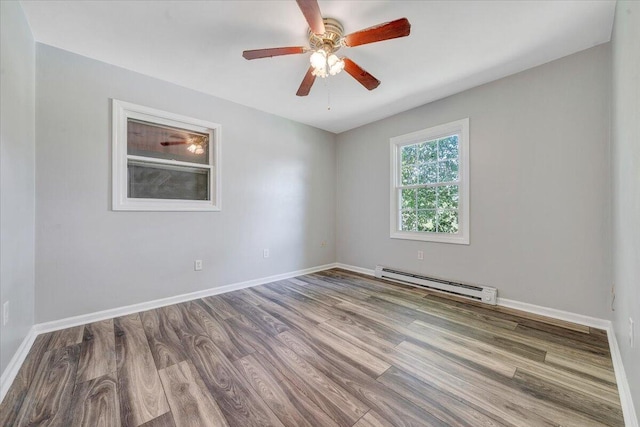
325	38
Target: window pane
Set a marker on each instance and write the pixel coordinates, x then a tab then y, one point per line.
428	152
427	220
447	221
448	197
428	173
165	142
409	175
408	221
409	154
427	198
448	148
151	181
408	199
448	171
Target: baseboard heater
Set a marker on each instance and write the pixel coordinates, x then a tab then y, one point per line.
485	294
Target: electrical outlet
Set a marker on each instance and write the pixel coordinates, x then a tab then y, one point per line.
420	255
197	265
631	331
265	253
323	244
5	313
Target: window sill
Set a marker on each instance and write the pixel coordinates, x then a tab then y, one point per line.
164	205
431	237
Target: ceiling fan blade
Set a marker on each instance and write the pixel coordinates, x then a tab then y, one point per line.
389	30
274	51
306	84
167	143
312	14
362	76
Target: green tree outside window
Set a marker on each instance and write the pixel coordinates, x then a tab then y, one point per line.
430	184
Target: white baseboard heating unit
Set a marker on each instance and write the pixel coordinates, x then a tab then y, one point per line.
485	294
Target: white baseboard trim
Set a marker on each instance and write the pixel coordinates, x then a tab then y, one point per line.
355	269
83	319
567	316
10	372
628	411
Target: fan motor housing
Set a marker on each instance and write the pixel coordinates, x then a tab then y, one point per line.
330	40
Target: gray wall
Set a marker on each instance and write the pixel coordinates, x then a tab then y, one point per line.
625	139
17	176
278	192
539	187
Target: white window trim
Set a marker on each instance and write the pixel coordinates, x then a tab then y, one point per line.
461	127
120	201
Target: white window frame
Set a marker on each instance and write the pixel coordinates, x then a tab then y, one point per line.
122	111
460	128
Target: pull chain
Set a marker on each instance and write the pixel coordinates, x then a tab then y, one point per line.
328	87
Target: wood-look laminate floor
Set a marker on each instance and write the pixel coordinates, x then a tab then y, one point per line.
326	349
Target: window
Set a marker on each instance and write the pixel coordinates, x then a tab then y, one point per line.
163	161
430	184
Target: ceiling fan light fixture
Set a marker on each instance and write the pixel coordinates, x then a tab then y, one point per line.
335	64
318	59
325	64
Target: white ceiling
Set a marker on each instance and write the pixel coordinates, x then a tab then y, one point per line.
453	46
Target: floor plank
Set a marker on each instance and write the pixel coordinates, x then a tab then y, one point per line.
12	402
554	391
291	406
515	336
594	371
372	419
390	405
429	307
262	319
361	359
341	406
236	339
443	405
299	304
142	397
497	358
341	292
220	307
97	352
95	403
240	404
190	402
299	286
197	313
164	420
507	402
49	397
164	343
66	337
